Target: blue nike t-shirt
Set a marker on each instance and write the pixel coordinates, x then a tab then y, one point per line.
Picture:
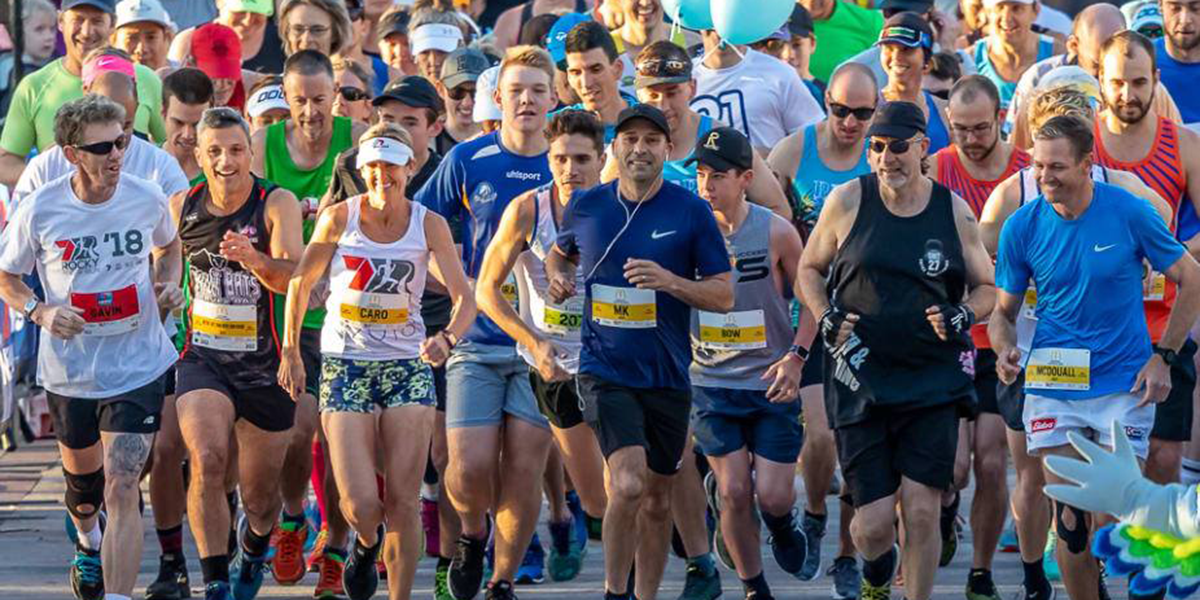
639	338
1088	273
471	188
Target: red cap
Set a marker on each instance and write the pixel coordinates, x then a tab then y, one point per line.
217	51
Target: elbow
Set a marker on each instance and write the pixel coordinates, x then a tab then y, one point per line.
724	300
486	299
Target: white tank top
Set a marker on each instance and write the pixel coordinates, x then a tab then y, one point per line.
374	305
558	322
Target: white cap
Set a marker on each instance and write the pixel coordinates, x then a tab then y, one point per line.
486	108
142	11
436	36
264	99
993	3
382	149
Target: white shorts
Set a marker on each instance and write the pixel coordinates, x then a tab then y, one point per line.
1048	420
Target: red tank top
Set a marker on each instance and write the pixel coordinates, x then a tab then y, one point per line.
953	174
1162	170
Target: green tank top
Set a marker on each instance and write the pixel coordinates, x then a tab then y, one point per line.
308	186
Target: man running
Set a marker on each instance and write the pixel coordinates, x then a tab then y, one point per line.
494	428
641	278
107	255
746	368
1090	363
903	261
241	237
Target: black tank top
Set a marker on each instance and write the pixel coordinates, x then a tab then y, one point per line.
270	56
229	311
888	271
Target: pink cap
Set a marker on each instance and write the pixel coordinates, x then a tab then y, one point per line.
106	63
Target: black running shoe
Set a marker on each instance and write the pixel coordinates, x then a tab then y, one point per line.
500	590
466	567
790	548
360	578
172	581
814	531
87	577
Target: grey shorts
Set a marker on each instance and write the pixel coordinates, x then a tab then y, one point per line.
485	382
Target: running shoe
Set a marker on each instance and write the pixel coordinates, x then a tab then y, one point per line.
566	558
1008	540
500	590
287	564
329	585
466	568
753	595
87	576
318	553
246	573
533	566
981	587
847	580
1049	560
790	548
360	578
595	527
714	509
950	529
441	587
698	586
431	526
580	519
172	581
1050	593
217	590
814	531
871	592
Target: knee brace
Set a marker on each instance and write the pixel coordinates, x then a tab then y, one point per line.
1076	539
84	490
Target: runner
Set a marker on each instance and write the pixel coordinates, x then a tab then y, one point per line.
547	333
494	429
435	34
457	88
1086	368
971	168
240	238
642	23
906	47
594	73
633	337
321	25
144	30
895	407
1011	45
300	154
746	368
1131	136
379	247
107	255
1178	55
266	105
187	93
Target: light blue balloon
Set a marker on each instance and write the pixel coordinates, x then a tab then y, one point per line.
692	14
748	21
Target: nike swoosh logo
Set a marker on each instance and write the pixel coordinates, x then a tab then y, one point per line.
654	235
1099	248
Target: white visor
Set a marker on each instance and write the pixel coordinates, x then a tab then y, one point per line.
265	99
486	108
383	149
436	36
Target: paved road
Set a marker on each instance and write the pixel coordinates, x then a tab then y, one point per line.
34	551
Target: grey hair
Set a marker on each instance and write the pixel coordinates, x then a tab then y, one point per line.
73	118
222	117
339	18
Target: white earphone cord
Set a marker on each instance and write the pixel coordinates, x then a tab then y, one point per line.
628	219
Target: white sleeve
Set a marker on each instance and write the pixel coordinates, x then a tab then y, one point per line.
171	177
18	247
800	109
32	178
165	230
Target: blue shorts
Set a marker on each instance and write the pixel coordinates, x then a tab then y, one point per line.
485	382
727	420
359	386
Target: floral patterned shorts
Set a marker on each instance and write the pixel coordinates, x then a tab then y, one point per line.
359	386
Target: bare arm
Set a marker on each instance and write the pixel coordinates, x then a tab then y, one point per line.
258	153
981	278
560	271
1134	185
508	28
446	267
789	248
11	167
713	293
840	207
1002	332
283	220
1186	274
1191	165
313	264
610	171
784	159
765	190
1000	205
498	262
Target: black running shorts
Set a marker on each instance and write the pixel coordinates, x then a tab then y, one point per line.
653	418
79	421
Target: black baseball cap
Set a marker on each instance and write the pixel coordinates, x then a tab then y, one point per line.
800	24
643	111
723	148
917	6
464	65
108	6
395	21
413	90
908	29
899	120
661	63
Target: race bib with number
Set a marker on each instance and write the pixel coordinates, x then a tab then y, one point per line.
1029	307
742	330
1059	369
557	319
1154	287
227	327
109	313
374	309
627	308
508	289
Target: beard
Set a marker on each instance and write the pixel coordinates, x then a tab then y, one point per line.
1132	112
1184	41
980	153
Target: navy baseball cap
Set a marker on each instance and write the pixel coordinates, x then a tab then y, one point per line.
643	111
723	149
108	6
899	120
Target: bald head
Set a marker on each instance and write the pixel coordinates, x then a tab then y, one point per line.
853	84
120	89
1093	25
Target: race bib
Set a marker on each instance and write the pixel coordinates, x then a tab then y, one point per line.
742	330
557	319
1154	287
374	309
109	313
1058	369
508	289
627	308
226	327
1029	307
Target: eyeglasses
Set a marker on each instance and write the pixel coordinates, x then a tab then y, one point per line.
315	30
105	148
662	67
841	111
352	94
978	131
461	92
896	146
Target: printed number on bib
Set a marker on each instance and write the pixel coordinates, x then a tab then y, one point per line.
227	327
743	330
508	289
109	313
1058	369
558	319
374	309
627	308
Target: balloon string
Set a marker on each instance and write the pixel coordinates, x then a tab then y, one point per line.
675	23
718	47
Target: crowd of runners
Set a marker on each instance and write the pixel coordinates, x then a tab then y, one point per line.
346	283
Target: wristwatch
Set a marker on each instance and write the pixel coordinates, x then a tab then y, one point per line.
30	306
1169	356
799	351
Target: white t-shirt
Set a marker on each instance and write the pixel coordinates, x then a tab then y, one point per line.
142	159
95	257
761	96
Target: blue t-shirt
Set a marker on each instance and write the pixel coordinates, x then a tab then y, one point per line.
1088	274
471	188
675	229
610	129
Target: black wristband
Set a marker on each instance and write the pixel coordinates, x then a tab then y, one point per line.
830	324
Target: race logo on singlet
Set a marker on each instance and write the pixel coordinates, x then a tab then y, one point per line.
934	262
377	297
484	194
225	304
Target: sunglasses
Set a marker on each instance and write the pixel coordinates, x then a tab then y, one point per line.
105	148
352	94
459	93
896	146
842	111
662	67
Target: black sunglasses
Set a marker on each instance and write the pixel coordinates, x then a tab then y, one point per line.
352	94
896	146
662	67
457	94
105	148
842	111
